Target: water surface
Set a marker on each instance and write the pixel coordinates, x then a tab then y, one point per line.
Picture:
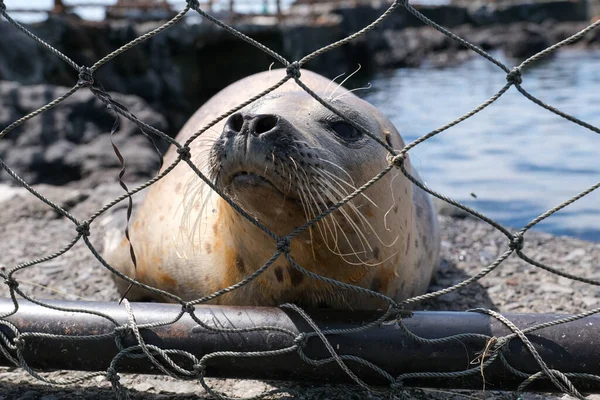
517	158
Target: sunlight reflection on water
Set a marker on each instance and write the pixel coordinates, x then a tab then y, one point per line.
518	158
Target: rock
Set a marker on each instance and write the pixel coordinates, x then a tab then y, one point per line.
21	56
78	273
50	397
525	40
30	395
575	255
179	69
552	287
356	16
412	46
148	70
450	210
8	192
71	141
23	204
302	39
592	37
507	12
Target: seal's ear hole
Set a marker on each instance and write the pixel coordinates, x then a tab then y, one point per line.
388	139
235	122
265	124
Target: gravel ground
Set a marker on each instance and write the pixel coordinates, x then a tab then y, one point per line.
30	229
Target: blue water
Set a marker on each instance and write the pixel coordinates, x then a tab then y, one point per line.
517	158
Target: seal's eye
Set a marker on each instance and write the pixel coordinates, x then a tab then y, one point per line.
345	131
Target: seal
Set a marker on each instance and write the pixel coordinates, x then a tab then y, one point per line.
284	159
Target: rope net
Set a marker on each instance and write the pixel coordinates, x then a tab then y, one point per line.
163	359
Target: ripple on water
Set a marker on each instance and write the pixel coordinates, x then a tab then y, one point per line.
518	158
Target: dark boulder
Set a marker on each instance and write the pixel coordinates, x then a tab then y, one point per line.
506	12
526	40
71	141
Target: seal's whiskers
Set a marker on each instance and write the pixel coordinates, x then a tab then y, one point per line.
315	209
344	81
301	189
369	86
338	167
393	201
352	187
324	224
200	195
353	252
327	188
330	82
357	253
360	234
362	219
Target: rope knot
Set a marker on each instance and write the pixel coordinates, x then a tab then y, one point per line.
86	77
283	245
396	160
11	282
121	334
83	228
200	369
122	330
293	70
112	375
18	342
188	308
300	340
517	242
2	7
514	76
184	153
500	342
193	4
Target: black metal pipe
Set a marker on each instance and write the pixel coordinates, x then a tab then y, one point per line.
570	347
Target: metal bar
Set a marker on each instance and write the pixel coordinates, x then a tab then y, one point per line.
570	347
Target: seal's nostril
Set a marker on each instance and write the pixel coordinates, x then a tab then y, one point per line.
235	123
265	123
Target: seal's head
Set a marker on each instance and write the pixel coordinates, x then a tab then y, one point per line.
287	158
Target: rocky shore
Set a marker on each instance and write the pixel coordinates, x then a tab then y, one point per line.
72	142
30	229
165	93
176	71
67	154
49	151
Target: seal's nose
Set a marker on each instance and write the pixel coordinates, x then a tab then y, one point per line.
262	124
256	125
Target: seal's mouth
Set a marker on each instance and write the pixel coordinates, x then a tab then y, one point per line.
250	180
243	182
